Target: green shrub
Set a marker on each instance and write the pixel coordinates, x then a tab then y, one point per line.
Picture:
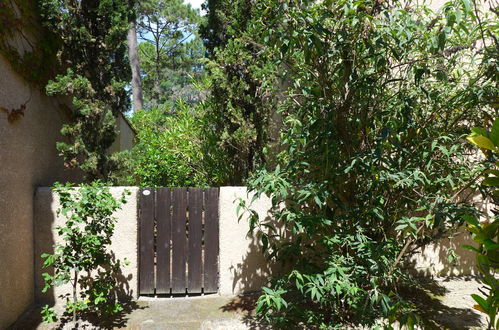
378	95
170	151
486	233
84	258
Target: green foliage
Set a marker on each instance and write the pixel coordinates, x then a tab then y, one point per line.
84	258
241	101
486	233
92	38
48	314
20	24
170	151
170	53
376	96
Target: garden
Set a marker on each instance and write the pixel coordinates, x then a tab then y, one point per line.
370	126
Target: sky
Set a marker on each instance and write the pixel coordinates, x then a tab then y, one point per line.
195	3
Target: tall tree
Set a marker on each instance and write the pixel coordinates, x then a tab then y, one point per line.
170	52
138	100
241	102
93	54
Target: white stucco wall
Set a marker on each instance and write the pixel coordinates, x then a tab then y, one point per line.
243	267
124	243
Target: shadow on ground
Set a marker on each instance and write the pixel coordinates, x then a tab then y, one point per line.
245	305
32	319
443	304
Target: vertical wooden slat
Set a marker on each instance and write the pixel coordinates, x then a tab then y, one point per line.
163	218
211	240
194	261
146	223
179	240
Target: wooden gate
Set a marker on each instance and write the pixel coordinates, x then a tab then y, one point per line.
178	229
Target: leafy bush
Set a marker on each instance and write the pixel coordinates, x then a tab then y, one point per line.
170	151
379	94
84	259
486	233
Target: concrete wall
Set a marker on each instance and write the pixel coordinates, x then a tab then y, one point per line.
242	267
28	158
124	244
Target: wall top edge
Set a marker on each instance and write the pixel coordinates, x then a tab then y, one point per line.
133	188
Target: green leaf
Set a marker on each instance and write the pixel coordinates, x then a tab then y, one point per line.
494	132
317	201
490	245
265	242
401	227
482	302
469	247
482	142
467	5
479	131
491	181
471	220
259	306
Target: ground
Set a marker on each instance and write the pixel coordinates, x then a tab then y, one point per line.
444	303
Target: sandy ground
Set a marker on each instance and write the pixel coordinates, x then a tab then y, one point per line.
444	303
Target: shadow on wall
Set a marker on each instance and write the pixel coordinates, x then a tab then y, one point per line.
45	238
243	266
254	270
436	260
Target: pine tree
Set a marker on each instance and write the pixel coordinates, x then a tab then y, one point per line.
240	108
170	52
94	73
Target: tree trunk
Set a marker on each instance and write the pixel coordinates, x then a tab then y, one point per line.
138	101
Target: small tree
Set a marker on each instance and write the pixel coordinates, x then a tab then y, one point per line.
84	259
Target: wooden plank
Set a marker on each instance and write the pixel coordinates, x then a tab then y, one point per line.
179	240
146	228
211	238
194	261
164	227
